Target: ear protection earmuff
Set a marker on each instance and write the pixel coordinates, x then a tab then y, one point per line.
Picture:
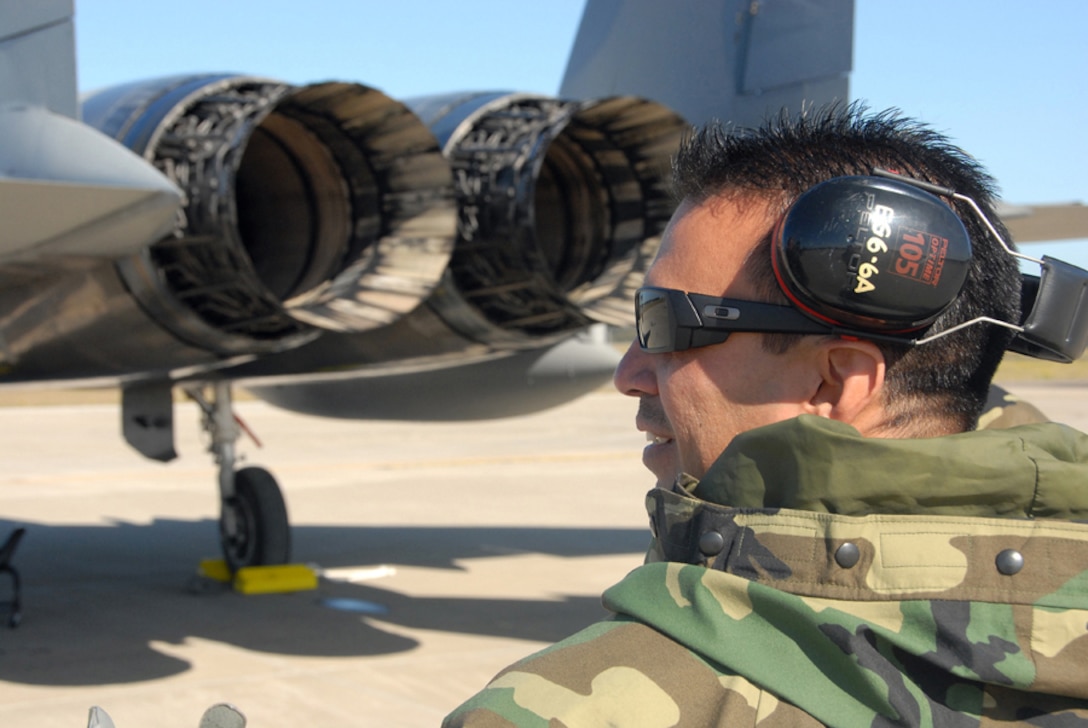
883	255
870	253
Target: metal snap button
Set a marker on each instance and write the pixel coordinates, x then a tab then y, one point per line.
711	543
1009	562
847	555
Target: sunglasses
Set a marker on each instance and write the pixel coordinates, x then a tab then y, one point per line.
672	320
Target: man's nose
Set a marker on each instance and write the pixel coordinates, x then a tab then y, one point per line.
634	374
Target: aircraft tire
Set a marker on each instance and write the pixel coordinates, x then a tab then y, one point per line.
262	532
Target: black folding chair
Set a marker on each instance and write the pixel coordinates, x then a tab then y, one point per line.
6	552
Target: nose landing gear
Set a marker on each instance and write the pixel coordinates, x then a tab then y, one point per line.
253	525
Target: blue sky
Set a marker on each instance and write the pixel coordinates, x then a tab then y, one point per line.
1006	79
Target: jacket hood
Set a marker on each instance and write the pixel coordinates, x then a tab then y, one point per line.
815	464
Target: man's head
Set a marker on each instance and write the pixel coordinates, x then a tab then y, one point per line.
734	187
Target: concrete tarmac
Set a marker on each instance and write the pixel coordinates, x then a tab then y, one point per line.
447	551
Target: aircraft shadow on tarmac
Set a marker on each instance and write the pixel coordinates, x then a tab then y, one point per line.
96	598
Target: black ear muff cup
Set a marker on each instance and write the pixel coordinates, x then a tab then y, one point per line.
872	254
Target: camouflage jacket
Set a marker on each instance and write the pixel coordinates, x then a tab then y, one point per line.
850	582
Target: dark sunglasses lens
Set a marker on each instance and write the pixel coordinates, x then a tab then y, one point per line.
655	332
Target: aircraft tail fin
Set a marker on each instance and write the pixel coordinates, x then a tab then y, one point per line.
38	54
733	60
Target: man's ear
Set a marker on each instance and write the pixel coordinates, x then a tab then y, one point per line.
852	377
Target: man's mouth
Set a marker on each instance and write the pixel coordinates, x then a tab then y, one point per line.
661	458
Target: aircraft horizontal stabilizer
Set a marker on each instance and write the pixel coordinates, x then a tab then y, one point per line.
65	189
1031	223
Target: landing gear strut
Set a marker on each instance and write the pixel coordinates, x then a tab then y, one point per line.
253	525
